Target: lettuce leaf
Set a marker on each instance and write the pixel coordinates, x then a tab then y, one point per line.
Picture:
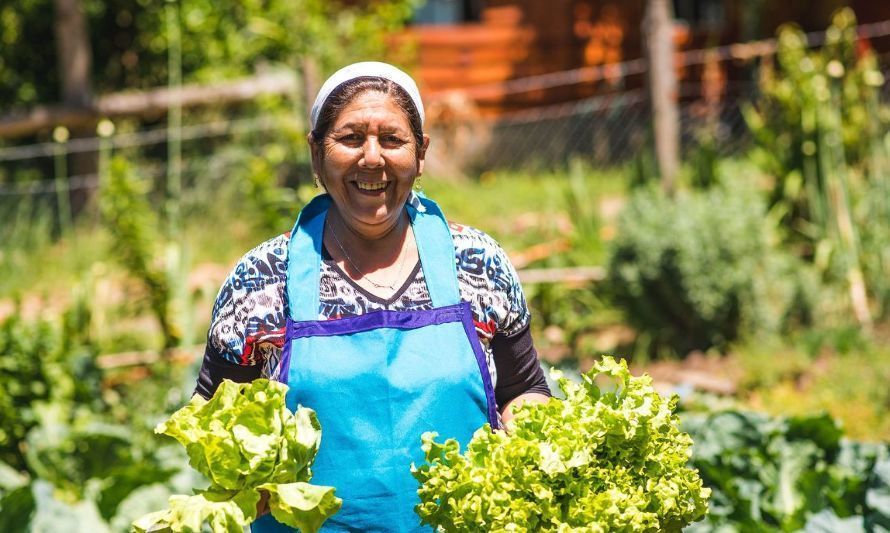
244	440
602	460
301	505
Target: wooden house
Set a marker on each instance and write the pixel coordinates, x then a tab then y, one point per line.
479	46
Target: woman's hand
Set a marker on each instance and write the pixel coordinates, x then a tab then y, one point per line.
507	413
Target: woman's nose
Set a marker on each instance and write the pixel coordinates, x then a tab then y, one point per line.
372	157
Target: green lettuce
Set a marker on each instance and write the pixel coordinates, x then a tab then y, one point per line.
245	440
599	460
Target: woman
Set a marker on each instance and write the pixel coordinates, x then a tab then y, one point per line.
378	314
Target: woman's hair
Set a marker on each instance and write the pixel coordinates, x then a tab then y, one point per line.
348	90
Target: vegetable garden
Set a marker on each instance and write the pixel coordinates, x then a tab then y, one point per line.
756	297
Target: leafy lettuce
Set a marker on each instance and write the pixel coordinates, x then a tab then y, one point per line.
599	460
245	440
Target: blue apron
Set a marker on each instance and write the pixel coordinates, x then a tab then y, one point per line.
379	380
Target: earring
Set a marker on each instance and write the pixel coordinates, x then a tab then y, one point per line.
417	185
317	181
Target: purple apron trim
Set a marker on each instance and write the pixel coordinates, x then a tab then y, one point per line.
473	337
374	320
400	320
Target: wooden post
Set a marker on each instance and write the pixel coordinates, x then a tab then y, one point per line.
658	32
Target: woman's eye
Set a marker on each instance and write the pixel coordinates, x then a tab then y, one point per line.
392	139
351	138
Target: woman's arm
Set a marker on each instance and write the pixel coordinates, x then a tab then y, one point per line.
215	368
520	376
247	324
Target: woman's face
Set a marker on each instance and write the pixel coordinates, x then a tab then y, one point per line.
368	162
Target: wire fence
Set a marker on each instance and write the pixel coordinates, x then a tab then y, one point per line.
602	132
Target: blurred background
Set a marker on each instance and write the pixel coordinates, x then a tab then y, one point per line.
701	187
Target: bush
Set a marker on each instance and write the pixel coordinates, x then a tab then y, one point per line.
699	271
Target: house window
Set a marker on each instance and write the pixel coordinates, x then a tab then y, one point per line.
448	12
701	15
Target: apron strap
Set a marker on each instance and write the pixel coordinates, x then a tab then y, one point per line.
436	249
304	260
434	246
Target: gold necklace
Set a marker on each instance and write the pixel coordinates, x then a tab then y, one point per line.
364	276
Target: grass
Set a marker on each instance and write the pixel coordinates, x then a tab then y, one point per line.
845	377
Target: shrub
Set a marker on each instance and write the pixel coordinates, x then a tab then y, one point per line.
699	271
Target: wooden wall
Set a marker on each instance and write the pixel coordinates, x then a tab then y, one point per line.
521	38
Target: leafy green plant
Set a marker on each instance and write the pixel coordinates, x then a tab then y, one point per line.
787	474
65	459
819	130
699	270
245	440
42	361
602	459
135	229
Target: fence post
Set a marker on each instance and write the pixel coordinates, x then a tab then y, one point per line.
177	264
105	129
60	164
174	119
658	32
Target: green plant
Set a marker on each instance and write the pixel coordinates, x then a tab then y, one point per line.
135	229
601	460
64	458
819	130
42	361
787	474
699	270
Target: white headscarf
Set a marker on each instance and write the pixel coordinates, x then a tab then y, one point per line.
360	70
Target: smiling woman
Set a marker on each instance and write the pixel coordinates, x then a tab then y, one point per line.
381	316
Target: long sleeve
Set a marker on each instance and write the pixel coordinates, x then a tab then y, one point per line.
518	368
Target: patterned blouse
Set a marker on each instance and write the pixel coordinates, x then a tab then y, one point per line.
248	323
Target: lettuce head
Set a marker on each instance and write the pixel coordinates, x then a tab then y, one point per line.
244	440
610	459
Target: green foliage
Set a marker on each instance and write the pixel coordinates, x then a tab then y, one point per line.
66	464
838	371
135	229
819	130
601	460
220	40
42	361
244	440
268	179
787	474
699	270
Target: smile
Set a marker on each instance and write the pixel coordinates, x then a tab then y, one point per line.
376	186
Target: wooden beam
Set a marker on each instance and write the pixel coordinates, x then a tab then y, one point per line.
146	103
562	275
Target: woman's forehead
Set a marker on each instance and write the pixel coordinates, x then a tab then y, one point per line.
372	107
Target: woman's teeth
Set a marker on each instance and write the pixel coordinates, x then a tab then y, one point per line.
371	186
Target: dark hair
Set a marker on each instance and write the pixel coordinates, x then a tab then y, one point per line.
348	90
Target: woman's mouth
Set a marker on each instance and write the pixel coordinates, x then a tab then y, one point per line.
371	186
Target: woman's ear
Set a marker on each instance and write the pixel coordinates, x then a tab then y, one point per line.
421	155
315	153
